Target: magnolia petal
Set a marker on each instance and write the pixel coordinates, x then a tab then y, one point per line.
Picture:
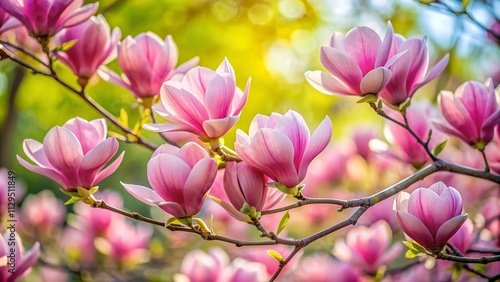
341	67
34	150
215	128
96	159
198	183
375	80
63	151
143	194
415	229
318	142
47	172
110	169
27	260
167	175
112	77
174	209
328	84
448	229
191	153
230	209
80	15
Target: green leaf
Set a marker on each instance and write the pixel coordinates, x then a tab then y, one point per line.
367	99
275	255
123	117
457	271
71	194
202	225
411	254
179	221
72	200
439	147
379	104
414	246
403	106
466	3
283	222
66	45
245	209
279	186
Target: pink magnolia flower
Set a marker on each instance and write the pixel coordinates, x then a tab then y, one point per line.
7	21
463	238
97	221
19	260
244	184
42	212
356	63
94	45
180	177
430	216
146	61
44	18
471	114
131	248
20	37
324	268
367	247
205	102
198	266
407	147
73	155
281	146
409	65
491	209
241	270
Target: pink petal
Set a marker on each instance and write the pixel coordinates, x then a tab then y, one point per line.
165	149
218	127
385	48
80	15
328	84
101	127
293	125
34	150
191	153
167	174
95	160
86	133
448	229
47	172
27	260
174	209
318	142
362	45
112	77
230	209
375	80
219	96
110	169
181	70
436	70
341	67
415	229
198	183
63	151
143	194
243	99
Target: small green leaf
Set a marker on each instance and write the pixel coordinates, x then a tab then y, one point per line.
409	245
66	45
283	222
202	224
93	189
123	117
72	200
71	194
179	221
439	147
411	254
280	187
466	3
275	255
414	246
367	99
457	272
245	209
403	106
379	104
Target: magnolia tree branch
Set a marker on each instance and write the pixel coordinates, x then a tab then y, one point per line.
80	93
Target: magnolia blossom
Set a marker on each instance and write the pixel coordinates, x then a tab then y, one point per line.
471	114
7	21
409	65
356	63
42	212
97	221
18	259
281	146
206	103
73	155
146	61
324	268
367	247
180	178
44	18
407	147
244	184
94	45
430	216
198	266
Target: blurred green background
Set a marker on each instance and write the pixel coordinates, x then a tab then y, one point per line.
273	42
